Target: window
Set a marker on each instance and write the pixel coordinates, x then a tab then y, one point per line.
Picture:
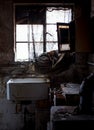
36	29
29	41
63	36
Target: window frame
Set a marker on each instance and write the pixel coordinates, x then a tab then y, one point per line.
71	5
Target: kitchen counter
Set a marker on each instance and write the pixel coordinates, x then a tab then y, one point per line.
70	94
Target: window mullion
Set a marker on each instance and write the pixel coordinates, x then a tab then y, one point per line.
28	42
44	33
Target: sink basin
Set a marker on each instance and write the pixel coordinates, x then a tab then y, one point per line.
20	89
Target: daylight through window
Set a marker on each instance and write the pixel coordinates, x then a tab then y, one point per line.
36	30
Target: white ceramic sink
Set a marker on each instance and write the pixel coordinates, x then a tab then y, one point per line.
35	88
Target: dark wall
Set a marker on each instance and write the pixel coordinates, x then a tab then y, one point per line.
6	31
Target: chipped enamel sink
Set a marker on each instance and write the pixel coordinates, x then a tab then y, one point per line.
20	89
